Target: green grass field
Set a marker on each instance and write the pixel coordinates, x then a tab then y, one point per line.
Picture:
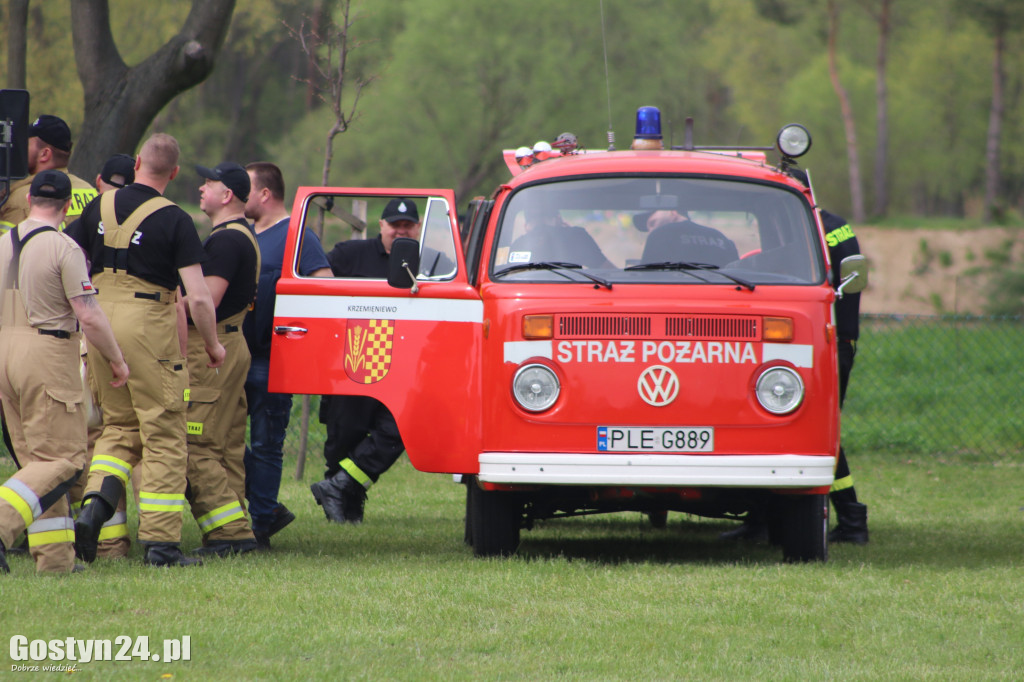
937	595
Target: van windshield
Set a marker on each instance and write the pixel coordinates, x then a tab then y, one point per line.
658	230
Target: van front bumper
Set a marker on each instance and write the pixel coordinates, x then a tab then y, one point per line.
747	471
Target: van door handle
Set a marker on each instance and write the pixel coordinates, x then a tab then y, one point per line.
290	330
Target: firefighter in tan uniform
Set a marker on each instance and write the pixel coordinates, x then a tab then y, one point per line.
139	244
46	295
49	148
114	541
217	407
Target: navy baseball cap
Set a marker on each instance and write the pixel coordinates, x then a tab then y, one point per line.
53	131
233	175
119	165
400	209
51	184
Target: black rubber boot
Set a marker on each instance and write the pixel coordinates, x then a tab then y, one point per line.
223	548
4	568
167	554
852	526
353	499
341	497
95	512
328	496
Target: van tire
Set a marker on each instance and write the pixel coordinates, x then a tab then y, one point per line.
805	530
495	518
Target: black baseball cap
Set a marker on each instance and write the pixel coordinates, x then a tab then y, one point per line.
53	131
233	175
51	184
640	220
400	209
119	164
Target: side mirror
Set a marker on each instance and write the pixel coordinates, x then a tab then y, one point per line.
404	263
853	275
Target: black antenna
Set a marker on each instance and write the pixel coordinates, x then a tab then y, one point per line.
607	83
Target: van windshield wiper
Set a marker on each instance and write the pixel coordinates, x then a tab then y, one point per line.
691	267
558	267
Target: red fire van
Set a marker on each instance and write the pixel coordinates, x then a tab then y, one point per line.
648	329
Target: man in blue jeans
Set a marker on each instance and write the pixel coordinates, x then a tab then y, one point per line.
269	412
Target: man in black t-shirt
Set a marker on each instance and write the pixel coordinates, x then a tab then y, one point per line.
139	244
362	436
549	238
217	406
675	238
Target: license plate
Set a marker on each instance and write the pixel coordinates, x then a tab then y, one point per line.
655	439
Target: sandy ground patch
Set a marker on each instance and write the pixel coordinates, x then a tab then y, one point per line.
925	272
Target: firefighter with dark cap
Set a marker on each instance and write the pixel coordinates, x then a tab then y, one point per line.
46	298
362	436
217	410
118	171
140	244
49	148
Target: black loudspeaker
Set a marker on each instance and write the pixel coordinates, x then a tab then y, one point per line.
13	134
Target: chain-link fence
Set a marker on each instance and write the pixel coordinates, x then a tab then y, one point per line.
937	385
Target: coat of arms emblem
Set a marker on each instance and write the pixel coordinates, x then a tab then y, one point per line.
368	346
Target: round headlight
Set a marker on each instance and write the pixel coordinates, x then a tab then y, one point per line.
535	387
780	390
793	140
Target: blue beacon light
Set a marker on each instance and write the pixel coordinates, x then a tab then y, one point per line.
648	129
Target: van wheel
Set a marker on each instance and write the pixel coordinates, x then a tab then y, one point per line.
805	530
494	518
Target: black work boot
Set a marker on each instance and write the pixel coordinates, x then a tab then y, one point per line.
852	523
223	548
328	496
167	554
4	568
341	497
353	498
282	517
95	512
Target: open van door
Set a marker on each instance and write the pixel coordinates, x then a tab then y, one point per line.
417	350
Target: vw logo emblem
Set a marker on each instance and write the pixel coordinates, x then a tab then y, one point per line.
658	385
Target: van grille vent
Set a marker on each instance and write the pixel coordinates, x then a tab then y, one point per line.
604	326
724	327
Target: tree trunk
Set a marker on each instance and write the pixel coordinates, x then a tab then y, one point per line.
856	193
17	40
882	113
995	125
121	102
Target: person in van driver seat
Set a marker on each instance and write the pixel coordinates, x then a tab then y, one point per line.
674	237
549	238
